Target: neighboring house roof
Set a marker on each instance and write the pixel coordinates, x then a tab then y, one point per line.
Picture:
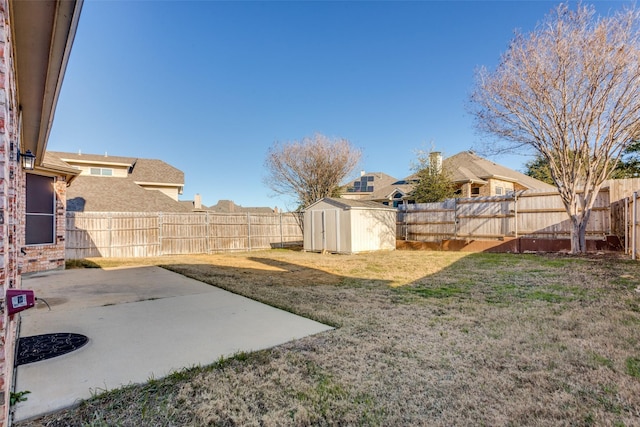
404	187
469	167
350	204
465	167
152	170
89	193
99	194
228	206
380	180
141	170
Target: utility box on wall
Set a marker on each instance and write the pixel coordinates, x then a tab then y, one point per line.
349	226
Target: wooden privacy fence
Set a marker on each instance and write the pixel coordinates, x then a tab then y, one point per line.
125	234
534	214
625	218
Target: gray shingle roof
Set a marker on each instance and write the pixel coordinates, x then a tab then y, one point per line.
152	170
228	206
467	166
142	170
104	194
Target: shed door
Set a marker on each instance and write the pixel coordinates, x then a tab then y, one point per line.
325	230
331	230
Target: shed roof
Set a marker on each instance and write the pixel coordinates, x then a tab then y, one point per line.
347	204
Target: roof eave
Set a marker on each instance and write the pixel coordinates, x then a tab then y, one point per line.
43	33
69	173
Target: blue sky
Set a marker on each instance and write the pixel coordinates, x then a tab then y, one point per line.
209	86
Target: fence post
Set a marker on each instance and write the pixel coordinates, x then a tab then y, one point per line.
110	242
208	232
160	250
634	225
281	233
626	225
249	230
455	218
515	213
405	213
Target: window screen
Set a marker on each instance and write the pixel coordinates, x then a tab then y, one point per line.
40	210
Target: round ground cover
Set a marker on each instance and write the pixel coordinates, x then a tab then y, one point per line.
42	347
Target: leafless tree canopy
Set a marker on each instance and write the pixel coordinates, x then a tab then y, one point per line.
571	91
310	169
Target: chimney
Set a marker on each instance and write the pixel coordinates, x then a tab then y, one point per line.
197	202
435	161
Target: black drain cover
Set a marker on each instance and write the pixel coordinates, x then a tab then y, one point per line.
42	347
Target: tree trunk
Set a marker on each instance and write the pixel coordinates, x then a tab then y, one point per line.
575	235
579	223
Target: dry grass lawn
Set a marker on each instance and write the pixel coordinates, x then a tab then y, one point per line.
422	338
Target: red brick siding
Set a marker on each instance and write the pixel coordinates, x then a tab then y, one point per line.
12	181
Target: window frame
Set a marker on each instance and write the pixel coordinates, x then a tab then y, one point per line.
29	238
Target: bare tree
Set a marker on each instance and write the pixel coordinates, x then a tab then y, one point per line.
571	91
310	169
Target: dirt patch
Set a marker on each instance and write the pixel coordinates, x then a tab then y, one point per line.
424	338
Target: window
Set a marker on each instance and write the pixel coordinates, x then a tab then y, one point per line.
40	210
475	191
499	191
101	171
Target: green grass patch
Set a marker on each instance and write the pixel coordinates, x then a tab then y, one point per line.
602	361
633	366
437	292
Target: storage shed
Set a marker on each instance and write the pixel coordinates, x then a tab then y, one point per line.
349	226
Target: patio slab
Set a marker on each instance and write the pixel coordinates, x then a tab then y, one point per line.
142	323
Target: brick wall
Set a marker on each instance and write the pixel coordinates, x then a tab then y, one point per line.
50	257
12	180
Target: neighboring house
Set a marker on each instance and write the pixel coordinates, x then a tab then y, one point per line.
224	206
35	43
472	175
476	176
228	206
396	193
122	184
366	185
